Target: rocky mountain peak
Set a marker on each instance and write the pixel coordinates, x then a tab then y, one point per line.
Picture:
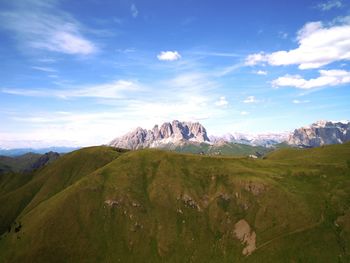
174	132
321	133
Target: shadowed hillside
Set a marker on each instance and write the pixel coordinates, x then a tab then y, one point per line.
101	205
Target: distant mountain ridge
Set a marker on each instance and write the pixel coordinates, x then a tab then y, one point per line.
174	134
177	135
321	133
168	133
20	151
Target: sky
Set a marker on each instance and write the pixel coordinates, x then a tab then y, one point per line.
79	73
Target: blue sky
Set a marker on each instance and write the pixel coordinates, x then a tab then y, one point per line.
79	73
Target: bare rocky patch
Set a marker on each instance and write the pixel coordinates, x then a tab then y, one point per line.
111	203
190	202
247	237
256	188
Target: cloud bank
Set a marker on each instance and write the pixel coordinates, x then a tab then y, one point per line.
319	45
326	78
41	25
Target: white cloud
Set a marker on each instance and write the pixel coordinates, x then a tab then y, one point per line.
261	72
134	11
169	55
221	102
326	78
41	25
254	59
114	90
318	46
45	69
250	99
330	5
244	113
69	43
300	101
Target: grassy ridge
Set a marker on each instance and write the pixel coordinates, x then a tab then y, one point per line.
158	206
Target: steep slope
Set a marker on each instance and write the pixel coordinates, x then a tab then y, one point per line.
168	207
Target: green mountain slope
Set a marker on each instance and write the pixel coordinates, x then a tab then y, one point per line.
20	192
99	205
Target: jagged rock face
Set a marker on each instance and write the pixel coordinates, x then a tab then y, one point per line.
174	132
321	133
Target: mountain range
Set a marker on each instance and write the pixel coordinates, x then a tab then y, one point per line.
193	137
13	152
176	133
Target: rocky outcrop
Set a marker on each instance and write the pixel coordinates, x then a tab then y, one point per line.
247	237
44	160
321	133
174	132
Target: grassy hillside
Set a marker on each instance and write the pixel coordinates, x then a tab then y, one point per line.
99	205
20	192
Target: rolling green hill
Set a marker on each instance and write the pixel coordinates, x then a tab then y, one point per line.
103	205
